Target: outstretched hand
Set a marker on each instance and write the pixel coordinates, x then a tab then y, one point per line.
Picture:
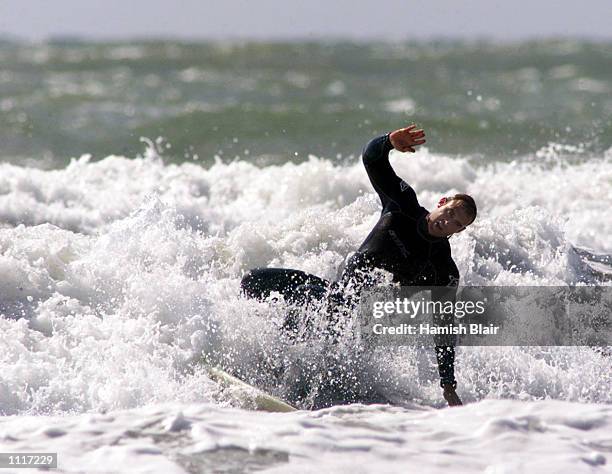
405	139
451	396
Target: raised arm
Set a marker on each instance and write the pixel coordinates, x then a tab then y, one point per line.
389	186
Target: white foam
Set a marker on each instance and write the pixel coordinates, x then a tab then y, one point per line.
498	435
111	289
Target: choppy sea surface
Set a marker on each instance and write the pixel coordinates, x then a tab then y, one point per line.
283	101
139	181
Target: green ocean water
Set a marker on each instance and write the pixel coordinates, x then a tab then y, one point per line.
273	102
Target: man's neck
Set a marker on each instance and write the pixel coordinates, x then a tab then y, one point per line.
423	229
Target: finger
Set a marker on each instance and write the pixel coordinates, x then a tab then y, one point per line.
411	150
418	142
417	132
410	127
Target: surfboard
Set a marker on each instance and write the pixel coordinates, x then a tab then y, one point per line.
247	394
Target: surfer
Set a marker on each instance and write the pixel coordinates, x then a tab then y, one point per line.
408	241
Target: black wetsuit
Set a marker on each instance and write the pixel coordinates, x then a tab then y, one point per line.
399	243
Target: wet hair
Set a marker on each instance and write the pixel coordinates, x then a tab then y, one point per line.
468	203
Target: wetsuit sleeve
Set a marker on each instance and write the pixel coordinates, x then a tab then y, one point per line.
447	282
390	187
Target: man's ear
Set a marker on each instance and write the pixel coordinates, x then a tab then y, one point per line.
442	201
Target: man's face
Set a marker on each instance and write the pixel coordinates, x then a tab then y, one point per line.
447	219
